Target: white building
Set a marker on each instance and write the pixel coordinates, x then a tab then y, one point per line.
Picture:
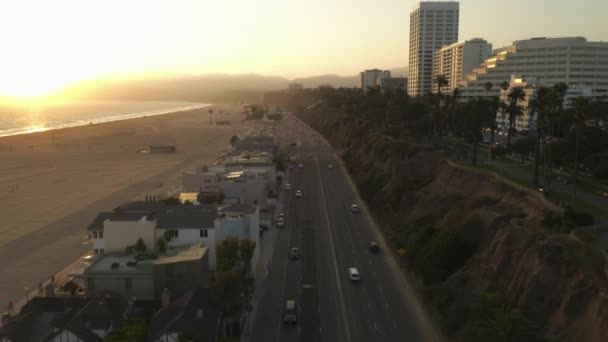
572	60
392	84
179	226
372	78
457	60
526	121
432	25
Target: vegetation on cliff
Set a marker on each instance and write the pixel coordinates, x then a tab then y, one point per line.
492	262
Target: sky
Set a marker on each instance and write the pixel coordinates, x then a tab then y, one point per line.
50	44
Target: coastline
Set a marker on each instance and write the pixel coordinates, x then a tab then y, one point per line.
105	119
53	183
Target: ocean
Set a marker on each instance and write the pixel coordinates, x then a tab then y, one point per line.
20	119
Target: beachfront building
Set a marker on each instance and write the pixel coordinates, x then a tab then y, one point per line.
177	225
456	61
573	60
71	318
372	78
242	221
433	24
146	276
393	84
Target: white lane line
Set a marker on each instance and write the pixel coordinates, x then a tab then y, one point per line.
346	326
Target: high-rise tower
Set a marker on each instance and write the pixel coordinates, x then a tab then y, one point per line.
433	24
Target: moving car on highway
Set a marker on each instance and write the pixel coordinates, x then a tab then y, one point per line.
299	193
353	274
355	208
374	247
287	187
289	315
294	253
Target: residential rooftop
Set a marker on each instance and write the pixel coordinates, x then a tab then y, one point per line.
120	216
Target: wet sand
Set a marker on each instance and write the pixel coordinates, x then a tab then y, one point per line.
52	184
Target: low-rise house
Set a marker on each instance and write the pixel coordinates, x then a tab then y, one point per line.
144	277
73	319
177	226
242	221
193	315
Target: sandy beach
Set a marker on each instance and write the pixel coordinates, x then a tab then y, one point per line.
52	184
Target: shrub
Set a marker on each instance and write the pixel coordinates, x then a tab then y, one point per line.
580	218
140	246
445	253
162	245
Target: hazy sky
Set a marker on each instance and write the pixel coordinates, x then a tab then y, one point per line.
49	43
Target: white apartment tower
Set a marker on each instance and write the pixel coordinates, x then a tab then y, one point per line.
581	64
433	24
373	78
457	60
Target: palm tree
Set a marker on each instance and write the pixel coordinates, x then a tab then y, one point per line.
441	81
514	110
581	106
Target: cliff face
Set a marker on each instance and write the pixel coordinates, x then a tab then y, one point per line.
493	262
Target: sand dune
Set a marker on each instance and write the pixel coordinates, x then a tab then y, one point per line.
53	183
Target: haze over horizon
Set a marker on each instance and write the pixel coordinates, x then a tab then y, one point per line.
50	45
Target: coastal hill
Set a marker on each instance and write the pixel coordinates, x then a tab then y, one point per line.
205	87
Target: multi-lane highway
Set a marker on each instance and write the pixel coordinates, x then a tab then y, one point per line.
331	239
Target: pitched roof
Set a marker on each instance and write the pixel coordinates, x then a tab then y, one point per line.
187	217
182	317
140	206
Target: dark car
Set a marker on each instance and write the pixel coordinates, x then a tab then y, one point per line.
374	247
294	253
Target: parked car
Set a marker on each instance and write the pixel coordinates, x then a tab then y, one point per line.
355	208
294	253
300	165
330	166
374	247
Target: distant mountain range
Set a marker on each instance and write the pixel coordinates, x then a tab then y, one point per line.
203	87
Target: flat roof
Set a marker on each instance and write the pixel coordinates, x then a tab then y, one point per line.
119	216
195	252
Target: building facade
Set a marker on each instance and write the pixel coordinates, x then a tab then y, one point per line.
432	25
573	60
373	78
525	122
456	61
391	84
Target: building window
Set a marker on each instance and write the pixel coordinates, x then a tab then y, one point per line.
100	234
94	234
203	233
173	233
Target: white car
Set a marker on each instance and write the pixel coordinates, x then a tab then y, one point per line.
287	187
330	166
353	274
280	222
300	165
355	208
299	193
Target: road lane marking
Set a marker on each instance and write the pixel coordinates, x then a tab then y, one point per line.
333	254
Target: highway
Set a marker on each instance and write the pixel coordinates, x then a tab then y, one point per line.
331	239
